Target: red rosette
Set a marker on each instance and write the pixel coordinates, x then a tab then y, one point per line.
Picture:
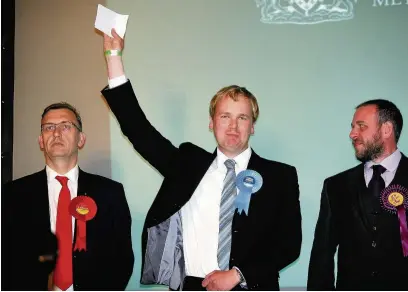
83	208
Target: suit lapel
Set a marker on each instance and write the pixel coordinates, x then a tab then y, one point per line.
358	188
82	184
239	219
401	173
41	202
82	191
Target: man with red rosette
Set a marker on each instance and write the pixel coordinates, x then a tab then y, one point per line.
363	212
88	214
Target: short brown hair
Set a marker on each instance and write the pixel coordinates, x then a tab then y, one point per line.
64	105
234	92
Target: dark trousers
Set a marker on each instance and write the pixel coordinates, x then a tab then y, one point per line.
194	284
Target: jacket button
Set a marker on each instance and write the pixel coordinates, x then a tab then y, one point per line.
374	244
374	274
374	228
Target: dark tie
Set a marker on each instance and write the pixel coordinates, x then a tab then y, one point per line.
63	270
226	214
377	184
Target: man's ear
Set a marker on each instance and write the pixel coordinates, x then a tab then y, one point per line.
387	130
82	140
211	125
41	142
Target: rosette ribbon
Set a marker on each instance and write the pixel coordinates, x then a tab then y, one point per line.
83	208
248	182
394	199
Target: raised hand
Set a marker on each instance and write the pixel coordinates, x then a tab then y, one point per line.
114	62
114	43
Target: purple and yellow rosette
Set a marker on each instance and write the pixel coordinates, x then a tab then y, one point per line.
248	182
83	208
394	199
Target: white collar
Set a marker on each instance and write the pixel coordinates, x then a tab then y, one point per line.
72	175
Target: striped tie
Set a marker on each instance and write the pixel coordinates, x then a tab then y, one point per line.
226	214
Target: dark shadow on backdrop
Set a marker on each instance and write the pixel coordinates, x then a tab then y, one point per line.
7	88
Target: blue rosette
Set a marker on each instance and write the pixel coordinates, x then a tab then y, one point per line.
248	182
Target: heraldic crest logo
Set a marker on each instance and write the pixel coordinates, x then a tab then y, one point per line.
305	11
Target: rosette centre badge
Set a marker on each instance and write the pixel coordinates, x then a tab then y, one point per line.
396	199
248	182
83	208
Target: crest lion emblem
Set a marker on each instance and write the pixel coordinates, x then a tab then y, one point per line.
304	11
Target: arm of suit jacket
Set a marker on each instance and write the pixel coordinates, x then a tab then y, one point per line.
9	271
265	261
123	268
321	265
146	140
22	244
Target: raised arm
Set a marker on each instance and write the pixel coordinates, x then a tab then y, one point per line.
120	96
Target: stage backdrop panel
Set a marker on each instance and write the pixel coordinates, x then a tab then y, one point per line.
308	65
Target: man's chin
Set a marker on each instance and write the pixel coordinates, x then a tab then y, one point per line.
58	154
362	158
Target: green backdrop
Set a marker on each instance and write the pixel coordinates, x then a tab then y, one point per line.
308	78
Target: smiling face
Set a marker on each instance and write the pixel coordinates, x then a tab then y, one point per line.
61	143
232	125
366	134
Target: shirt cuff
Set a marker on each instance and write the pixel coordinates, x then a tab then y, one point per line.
242	282
117	81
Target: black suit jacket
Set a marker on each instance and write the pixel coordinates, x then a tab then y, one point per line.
367	237
264	242
107	264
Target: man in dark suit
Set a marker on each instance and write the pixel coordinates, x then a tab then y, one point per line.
363	210
88	213
194	237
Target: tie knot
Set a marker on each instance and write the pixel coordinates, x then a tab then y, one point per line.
230	164
62	179
378	169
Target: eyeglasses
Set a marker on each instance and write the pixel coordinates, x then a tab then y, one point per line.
65	127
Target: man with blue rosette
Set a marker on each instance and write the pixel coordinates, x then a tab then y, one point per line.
363	211
227	220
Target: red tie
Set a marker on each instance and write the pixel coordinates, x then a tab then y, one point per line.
63	269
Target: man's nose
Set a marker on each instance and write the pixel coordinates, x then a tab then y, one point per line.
57	131
353	134
233	124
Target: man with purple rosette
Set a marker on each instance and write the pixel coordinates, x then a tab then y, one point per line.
363	211
226	220
88	214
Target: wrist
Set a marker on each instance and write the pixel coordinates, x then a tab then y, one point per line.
114	66
113	53
237	276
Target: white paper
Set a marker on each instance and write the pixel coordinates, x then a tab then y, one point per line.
107	19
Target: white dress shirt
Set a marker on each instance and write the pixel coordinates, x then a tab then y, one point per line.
200	217
54	188
390	163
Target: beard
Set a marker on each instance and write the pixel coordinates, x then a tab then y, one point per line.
372	149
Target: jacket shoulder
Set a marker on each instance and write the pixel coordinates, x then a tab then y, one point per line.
344	175
25	180
102	180
189	149
277	165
